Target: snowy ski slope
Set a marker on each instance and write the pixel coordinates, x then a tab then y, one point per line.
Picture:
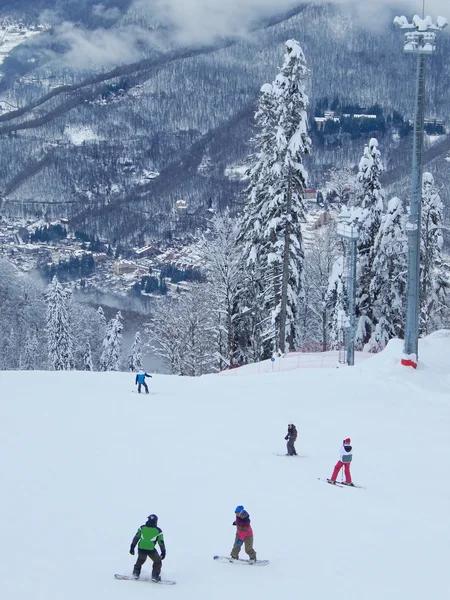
84	461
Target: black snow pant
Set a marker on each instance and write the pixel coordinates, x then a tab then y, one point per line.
291	448
145	385
142	557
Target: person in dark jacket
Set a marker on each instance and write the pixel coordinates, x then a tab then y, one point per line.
244	534
291	438
140	380
147	536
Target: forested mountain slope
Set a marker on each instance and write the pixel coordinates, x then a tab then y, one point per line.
110	120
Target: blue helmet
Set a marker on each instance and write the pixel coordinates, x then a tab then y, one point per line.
239	509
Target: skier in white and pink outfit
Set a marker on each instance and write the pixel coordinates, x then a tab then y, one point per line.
344	461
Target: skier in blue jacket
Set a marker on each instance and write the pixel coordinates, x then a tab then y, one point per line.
140	380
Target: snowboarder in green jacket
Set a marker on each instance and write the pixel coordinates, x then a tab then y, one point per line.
147	536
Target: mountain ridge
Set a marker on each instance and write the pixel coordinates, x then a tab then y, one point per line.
181	101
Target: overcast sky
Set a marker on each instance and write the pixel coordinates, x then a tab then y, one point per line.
224	16
202	21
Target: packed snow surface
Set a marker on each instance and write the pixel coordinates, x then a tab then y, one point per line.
85	460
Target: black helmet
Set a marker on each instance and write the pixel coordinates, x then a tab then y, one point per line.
152	520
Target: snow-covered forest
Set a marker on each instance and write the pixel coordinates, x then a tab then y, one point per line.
264	293
111	140
45	328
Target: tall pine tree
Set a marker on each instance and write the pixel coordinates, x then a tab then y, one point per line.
337	303
102	318
388	285
259	339
271	225
368	211
135	356
29	359
60	355
111	347
433	281
87	358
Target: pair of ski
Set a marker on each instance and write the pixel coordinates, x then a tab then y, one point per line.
297	455
341	484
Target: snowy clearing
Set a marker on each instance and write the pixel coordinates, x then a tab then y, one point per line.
80	135
12	37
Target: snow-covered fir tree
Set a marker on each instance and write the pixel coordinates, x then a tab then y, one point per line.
87	358
433	281
135	356
60	345
388	285
368	211
102	318
29	358
22	313
24	323
259	325
224	273
8	349
112	344
337	303
271	225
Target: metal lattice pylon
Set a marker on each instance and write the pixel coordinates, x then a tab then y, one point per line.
342	341
347	229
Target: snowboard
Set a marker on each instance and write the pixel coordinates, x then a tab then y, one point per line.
242	561
145	578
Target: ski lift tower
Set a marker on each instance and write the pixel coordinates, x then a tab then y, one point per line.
348	230
420	39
